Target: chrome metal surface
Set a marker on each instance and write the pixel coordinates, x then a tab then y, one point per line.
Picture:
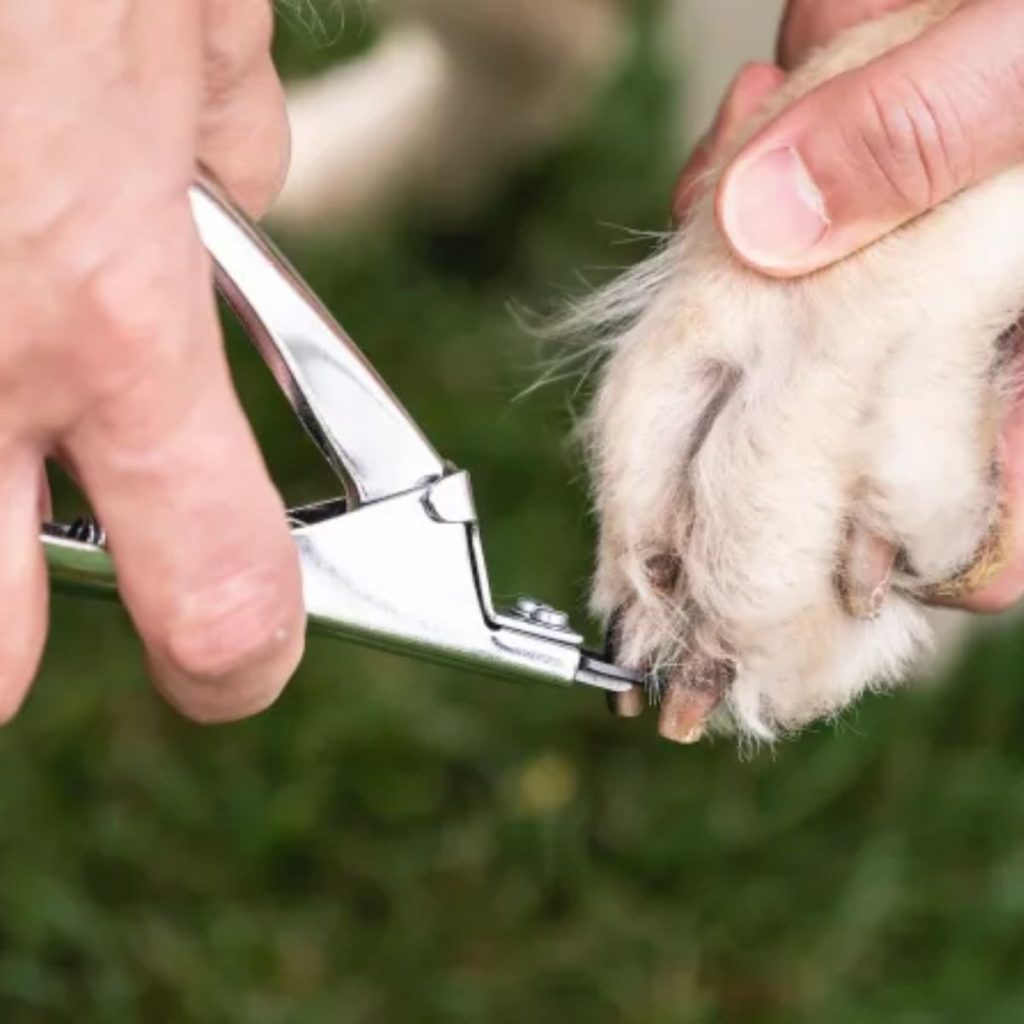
526	607
399	564
532	610
75	564
395	576
552	618
451	500
391	575
351	414
595	671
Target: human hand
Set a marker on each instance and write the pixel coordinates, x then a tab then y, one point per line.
112	359
876	148
806	24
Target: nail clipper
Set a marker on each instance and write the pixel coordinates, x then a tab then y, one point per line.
397	561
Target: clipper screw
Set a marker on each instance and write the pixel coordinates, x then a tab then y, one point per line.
532	610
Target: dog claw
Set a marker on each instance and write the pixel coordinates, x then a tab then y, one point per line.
865	572
691	699
685	713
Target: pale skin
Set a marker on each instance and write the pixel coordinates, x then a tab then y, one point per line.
880	146
112	360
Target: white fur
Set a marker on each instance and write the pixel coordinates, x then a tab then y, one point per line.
865	393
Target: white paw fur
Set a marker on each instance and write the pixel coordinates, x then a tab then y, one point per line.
753	439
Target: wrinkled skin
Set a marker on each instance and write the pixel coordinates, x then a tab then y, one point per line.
983	132
111	358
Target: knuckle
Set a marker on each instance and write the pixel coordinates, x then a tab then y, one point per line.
800	31
240	37
253	173
99	264
121	313
913	142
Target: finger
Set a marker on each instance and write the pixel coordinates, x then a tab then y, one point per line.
23	583
747	92
809	24
44	498
244	137
204	560
1008	588
874	148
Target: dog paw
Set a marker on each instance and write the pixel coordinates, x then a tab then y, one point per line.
786	471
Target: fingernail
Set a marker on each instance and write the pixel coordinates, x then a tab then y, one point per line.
772	212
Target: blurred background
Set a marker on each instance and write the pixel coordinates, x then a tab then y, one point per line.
392	842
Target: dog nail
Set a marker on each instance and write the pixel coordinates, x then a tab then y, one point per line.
692	698
865	572
629	704
684	714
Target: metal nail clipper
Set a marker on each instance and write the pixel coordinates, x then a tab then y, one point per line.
397	562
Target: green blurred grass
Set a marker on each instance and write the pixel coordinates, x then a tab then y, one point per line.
394	843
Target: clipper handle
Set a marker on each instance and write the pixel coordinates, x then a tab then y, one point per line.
361	429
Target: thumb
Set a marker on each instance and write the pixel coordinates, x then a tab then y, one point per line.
875	147
753	84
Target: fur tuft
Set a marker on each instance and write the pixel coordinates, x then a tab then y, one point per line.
743	426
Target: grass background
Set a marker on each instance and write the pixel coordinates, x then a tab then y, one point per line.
395	843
